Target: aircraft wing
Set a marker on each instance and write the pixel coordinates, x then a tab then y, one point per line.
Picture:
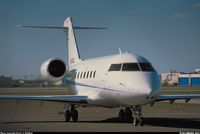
74	99
172	98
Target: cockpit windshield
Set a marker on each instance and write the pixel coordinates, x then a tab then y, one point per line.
115	67
145	67
130	67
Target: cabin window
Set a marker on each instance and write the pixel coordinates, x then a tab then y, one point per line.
88	74
130	67
94	74
81	75
147	67
84	75
91	74
115	67
77	75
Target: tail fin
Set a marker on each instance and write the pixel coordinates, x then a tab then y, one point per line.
73	53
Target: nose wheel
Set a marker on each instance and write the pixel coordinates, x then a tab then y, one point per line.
137	119
125	115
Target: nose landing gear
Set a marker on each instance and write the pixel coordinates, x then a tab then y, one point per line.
136	118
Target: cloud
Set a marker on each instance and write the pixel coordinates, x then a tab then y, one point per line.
181	15
197	5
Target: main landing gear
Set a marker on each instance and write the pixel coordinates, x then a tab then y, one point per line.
126	115
71	112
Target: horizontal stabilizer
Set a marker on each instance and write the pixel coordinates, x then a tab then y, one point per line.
57	27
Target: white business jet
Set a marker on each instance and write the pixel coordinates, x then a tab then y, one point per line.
123	80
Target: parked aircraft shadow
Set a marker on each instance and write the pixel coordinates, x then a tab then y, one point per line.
190	123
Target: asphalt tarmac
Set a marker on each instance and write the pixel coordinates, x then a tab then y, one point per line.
35	116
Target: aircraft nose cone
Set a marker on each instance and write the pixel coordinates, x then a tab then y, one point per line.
151	83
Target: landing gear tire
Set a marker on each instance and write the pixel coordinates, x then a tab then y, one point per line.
121	115
71	112
67	116
74	114
128	115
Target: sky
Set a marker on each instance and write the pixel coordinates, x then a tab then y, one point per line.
166	32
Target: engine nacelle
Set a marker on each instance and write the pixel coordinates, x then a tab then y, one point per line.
53	70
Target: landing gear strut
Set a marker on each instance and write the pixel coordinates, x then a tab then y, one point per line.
137	119
71	112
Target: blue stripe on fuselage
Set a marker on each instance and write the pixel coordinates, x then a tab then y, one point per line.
67	81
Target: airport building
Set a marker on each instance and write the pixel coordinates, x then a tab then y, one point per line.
181	79
169	78
189	79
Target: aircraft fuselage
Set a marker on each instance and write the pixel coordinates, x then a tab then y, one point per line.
126	83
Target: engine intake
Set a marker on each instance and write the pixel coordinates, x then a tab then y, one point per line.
53	70
56	68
